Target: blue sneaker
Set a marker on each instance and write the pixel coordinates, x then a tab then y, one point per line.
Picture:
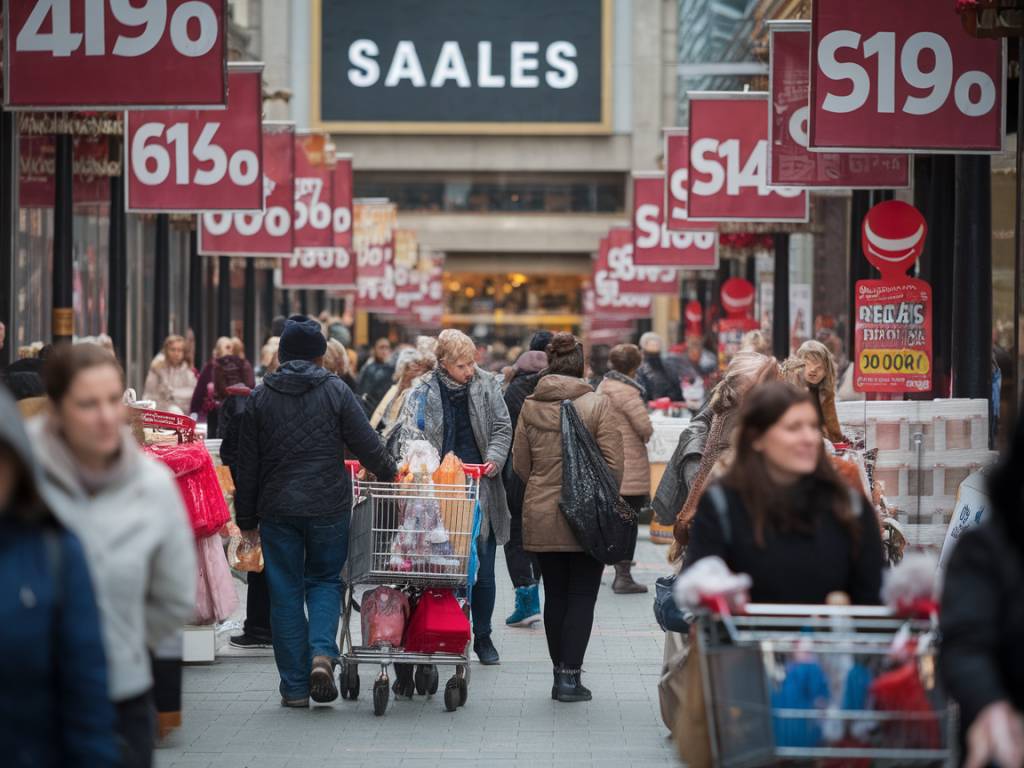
527	611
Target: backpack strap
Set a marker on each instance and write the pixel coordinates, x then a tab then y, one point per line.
716	494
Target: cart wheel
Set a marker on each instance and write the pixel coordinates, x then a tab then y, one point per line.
380	696
404	686
432	680
451	695
463	691
350	682
421	679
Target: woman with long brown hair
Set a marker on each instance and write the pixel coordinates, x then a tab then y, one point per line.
783	515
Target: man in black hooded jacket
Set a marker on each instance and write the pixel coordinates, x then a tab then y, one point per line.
291	482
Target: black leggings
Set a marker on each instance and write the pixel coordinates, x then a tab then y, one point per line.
571	583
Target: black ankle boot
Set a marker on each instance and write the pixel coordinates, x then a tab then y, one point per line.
569	688
554	680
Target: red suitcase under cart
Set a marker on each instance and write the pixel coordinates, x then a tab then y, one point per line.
379	515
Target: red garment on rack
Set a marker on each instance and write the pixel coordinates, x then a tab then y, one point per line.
197	479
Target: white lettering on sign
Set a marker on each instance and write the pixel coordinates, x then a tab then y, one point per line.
654	236
151	161
320	258
193	28
406	65
734	176
974	92
313	212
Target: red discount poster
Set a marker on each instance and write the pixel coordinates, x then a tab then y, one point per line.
313	206
653	243
199	160
607	298
893	331
790	162
267	232
114	54
728	174
677	164
91	170
373	236
618	261
903	76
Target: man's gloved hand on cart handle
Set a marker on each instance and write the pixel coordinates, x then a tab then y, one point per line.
996	737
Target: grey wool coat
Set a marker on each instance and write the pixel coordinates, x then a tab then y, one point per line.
492	429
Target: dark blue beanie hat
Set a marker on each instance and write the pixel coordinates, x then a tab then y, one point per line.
301	339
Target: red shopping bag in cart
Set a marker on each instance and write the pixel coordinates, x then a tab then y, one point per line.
900	691
437	624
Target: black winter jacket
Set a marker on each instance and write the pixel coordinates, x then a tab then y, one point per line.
292	443
658	381
374	382
520	388
982	621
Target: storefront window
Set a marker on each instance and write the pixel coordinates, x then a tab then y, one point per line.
498	193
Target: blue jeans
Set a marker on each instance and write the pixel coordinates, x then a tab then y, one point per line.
304	557
485	590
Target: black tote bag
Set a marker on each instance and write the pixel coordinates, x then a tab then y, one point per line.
604	524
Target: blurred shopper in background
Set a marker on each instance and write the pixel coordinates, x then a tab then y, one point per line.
597	365
293	495
128	513
572	577
55	709
171	380
523	568
376	376
982	622
464	412
781	513
410	364
654	376
629	404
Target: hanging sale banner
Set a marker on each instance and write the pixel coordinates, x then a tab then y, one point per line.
114	54
728	174
617	261
608	299
91	171
267	232
893	332
653	243
313	211
199	160
374	243
322	267
903	77
790	162
677	163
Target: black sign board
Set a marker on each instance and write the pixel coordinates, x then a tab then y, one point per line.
462	66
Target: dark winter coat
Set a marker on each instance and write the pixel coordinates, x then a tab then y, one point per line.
230	424
374	382
292	441
658	381
982	621
682	469
524	382
55	707
222	373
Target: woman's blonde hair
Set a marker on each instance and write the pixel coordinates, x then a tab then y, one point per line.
172	339
336	358
454	346
223	346
268	355
816	351
237	347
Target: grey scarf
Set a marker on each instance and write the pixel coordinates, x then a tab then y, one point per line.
626	380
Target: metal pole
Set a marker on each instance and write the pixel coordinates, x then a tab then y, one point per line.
304	301
195	297
224	296
249	312
161	282
117	268
286	302
63	316
780	298
972	276
268	301
1018	262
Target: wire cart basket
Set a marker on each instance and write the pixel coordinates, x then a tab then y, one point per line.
378	512
823	685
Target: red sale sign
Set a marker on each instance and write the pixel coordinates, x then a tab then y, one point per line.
677	163
790	162
313	214
728	175
608	298
199	160
617	261
267	232
91	171
893	331
374	244
114	54
653	243
903	77
334	267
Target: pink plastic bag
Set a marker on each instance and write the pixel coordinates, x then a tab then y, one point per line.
384	613
216	598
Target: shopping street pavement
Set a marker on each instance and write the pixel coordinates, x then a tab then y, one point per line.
233	718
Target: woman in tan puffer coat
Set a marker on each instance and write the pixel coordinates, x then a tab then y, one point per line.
571	576
628	403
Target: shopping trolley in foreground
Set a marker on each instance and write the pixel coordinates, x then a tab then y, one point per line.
378	512
825	685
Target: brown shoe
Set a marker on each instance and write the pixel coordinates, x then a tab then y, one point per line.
322	688
624	583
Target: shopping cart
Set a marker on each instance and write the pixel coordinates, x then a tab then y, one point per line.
824	685
378	512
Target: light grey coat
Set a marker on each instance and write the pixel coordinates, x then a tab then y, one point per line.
139	546
492	429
